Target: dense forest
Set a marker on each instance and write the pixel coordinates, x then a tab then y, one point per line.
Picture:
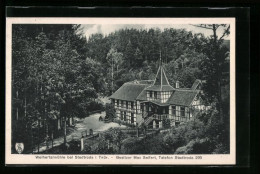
58	73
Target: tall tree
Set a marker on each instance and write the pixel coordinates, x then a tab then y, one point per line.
129	54
114	59
48	78
138	57
213	65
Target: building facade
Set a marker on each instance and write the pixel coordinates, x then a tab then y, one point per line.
150	102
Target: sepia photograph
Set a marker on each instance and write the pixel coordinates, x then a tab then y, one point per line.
127	89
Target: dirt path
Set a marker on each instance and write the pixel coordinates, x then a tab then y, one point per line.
83	125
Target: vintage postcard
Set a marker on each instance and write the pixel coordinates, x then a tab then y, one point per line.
135	91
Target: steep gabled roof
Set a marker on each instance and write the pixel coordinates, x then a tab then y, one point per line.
128	91
182	97
161	78
161	82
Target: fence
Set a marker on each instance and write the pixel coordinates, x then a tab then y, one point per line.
77	144
133	132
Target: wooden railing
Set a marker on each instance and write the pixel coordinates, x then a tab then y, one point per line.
161	117
148	120
145	114
141	122
171	117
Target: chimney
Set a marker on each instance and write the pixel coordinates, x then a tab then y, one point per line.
177	84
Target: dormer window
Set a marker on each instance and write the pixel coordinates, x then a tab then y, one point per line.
165	96
160	90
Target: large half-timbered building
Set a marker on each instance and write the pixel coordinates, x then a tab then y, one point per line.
149	102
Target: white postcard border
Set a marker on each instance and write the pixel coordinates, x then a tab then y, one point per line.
213	159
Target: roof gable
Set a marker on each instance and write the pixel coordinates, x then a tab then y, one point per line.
196	84
161	78
161	82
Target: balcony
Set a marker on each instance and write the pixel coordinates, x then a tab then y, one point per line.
161	116
171	117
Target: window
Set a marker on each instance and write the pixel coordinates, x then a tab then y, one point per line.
138	107
173	110
162	93
124	116
117	114
187	112
183	111
177	111
155	94
127	117
151	94
126	105
117	102
121	115
165	96
132	105
132	118
122	104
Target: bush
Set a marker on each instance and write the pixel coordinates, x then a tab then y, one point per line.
101	147
183	134
110	111
194	129
154	145
166	123
114	136
172	142
83	109
148	145
218	132
221	149
197	146
131	146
